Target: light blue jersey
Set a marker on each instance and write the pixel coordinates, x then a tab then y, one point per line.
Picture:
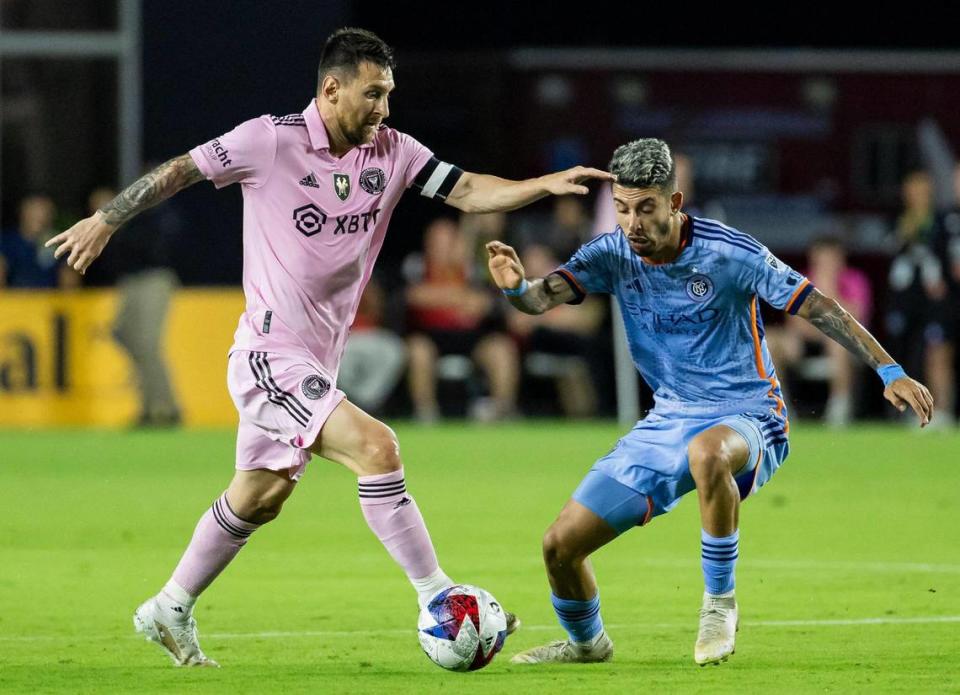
693	325
696	336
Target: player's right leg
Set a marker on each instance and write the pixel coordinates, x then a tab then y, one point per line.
600	510
253	498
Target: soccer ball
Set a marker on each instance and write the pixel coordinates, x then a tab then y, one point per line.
462	628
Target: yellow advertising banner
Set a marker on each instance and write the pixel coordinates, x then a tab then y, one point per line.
59	363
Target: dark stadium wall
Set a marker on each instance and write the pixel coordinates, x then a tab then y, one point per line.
209	65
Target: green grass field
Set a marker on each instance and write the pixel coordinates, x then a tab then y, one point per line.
849	577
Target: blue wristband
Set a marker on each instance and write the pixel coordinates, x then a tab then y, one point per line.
890	373
518	291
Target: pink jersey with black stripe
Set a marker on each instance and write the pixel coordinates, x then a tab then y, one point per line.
313	225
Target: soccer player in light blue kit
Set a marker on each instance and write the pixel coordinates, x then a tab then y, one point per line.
688	290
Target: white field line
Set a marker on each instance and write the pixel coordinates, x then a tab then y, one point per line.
840	622
620	627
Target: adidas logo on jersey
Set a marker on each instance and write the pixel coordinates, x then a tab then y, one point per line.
310	180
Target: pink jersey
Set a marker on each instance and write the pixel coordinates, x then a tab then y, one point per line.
313	225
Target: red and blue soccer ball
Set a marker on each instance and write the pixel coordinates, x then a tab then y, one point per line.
462	628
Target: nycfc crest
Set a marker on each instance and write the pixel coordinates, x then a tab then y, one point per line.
341	185
314	387
373	180
699	288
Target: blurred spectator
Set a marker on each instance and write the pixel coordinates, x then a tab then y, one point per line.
919	318
566	334
449	315
478	229
797	339
24	262
375	356
566	227
947	249
683	164
141	254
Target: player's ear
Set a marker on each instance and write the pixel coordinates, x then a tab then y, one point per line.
330	88
676	202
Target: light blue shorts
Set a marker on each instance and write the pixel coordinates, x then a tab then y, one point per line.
648	470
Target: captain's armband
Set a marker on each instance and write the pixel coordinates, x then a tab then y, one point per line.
436	179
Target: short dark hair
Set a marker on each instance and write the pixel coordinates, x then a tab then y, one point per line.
348	47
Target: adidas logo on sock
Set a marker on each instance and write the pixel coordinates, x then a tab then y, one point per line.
402	503
178	609
310	180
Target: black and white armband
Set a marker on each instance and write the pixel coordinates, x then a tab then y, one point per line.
437	179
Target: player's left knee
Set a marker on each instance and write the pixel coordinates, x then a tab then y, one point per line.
709	463
380	451
559	552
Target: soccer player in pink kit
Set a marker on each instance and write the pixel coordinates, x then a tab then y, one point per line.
319	188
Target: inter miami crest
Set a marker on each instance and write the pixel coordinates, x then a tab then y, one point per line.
373	180
341	186
314	387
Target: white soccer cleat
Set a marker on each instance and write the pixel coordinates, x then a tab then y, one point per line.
179	640
718	629
566	652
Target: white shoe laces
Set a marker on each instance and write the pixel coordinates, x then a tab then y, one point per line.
713	623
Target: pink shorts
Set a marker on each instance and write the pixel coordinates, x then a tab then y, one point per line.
283	401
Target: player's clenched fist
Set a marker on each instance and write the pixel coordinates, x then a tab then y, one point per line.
505	267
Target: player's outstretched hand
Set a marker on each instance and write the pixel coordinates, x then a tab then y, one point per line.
84	241
906	392
505	267
569	181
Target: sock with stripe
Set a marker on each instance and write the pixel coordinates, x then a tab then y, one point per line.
393	516
219	535
719	560
581	619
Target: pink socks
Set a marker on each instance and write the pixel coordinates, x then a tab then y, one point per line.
395	519
216	541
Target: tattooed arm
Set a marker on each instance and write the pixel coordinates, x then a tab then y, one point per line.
836	323
540	296
87	238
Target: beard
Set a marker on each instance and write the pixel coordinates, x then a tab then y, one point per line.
661	232
359	134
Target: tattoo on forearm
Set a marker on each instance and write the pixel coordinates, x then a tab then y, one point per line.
152	188
542	295
836	323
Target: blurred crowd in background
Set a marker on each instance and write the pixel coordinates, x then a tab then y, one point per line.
434	339
840	160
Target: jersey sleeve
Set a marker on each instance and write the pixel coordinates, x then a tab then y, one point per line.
415	156
244	155
775	282
591	268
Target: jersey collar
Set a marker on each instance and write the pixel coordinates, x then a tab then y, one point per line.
319	138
